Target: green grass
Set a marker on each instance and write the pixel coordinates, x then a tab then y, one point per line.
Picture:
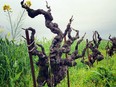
15	67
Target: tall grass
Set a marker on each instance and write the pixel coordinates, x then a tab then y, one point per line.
14	64
15	67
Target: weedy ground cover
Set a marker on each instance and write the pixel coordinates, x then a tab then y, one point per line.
15	67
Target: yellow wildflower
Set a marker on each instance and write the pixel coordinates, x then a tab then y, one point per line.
6	8
28	3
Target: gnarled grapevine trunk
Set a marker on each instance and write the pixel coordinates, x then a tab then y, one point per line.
53	63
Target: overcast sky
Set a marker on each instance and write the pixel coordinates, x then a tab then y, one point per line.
89	15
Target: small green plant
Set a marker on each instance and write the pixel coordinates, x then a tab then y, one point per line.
100	77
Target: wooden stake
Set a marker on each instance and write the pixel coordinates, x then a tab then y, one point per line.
88	53
96	41
88	50
68	80
30	56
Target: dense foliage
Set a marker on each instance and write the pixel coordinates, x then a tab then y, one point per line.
15	67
